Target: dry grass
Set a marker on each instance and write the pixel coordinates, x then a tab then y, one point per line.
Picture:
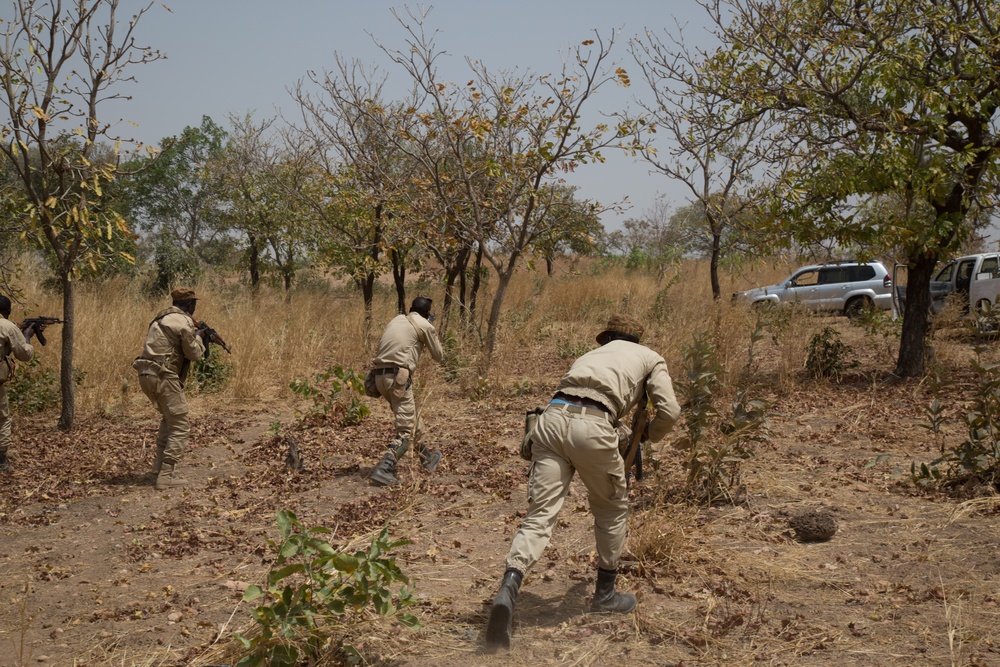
275	342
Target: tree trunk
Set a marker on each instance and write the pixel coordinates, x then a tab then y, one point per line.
548	265
66	386
399	279
253	252
714	266
503	280
367	285
477	273
915	323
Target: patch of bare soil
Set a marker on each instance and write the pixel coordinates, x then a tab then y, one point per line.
97	568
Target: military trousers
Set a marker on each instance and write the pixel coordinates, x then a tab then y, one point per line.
565	442
397	389
5	420
167	394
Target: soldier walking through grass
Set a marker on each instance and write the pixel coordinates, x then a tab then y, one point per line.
173	341
399	349
14	342
579	432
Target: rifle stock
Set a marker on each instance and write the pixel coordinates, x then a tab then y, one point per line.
633	455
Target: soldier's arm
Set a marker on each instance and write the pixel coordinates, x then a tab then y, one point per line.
433	343
20	346
191	343
660	390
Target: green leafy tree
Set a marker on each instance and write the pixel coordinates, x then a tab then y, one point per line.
171	196
60	64
872	98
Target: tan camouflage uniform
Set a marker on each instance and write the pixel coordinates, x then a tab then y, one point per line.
566	441
399	350
171	345
12	343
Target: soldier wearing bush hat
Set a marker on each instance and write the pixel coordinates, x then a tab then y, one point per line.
173	341
579	432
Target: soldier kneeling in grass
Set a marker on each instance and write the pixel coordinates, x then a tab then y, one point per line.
579	432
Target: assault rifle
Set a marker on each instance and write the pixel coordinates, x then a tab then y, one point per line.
37	325
211	336
633	455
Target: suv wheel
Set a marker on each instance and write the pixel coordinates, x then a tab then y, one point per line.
856	305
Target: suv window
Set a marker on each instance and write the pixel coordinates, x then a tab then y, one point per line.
989	266
833	275
860	273
806	278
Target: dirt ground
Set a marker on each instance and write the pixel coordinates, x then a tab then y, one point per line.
97	568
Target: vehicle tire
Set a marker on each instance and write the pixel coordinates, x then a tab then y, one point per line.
856	305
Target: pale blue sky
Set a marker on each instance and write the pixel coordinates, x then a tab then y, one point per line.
234	56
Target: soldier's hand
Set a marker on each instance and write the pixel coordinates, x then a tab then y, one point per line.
28	331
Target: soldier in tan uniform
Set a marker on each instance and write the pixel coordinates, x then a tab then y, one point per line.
14	342
399	349
579	432
173	341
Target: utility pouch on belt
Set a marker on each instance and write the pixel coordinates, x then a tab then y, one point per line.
6	370
371	389
530	419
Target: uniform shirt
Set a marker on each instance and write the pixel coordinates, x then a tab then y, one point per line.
613	375
12	341
404	339
171	339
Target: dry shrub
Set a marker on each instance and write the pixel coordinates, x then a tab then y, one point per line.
661	536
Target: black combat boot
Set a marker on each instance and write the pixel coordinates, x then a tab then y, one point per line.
4	463
501	622
428	459
606	598
384	473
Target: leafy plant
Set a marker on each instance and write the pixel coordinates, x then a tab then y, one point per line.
336	392
975	460
312	589
35	387
828	355
212	373
567	349
716	444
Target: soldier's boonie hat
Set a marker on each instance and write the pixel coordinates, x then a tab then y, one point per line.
183	294
620	324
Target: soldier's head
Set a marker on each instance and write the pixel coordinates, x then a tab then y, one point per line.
185	299
421	305
4	306
621	327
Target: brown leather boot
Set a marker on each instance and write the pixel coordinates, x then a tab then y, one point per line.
168	479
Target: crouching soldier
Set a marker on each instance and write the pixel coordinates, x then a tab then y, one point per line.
172	343
577	433
396	358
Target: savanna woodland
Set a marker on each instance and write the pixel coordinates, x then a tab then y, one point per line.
812	130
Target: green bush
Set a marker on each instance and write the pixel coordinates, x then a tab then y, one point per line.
335	393
828	355
212	373
976	460
716	444
34	388
312	589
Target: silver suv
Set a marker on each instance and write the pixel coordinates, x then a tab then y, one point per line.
844	287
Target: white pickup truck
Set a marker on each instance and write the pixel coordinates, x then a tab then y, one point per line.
974	278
